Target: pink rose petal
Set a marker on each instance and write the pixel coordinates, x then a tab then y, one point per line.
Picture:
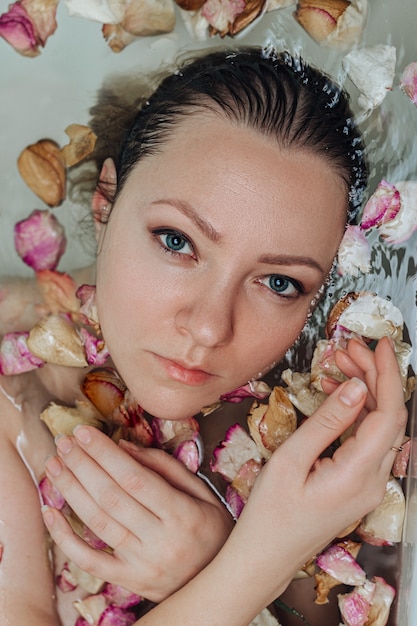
408	81
15	356
40	240
382	206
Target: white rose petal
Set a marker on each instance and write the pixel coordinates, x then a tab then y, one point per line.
372	71
404	223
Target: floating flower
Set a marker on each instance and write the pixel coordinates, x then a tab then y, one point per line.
40	240
382	206
372	70
42	169
15	356
354	254
408	81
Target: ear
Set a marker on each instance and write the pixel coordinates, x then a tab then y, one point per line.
105	189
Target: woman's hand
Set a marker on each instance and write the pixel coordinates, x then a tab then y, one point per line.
163	522
300	501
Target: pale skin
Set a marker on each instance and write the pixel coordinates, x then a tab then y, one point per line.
182	352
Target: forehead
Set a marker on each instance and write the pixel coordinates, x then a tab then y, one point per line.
240	179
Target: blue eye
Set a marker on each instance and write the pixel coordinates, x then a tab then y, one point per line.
282	285
174	242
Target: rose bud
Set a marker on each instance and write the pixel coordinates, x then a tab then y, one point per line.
40	240
15	356
82	143
42	169
319	17
17	29
408	81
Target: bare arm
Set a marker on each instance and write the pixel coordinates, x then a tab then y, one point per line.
27	587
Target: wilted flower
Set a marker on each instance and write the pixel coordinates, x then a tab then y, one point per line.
354	254
408	81
105	389
42	169
15	356
382	206
40	240
372	70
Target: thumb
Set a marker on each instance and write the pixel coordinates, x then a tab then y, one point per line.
328	422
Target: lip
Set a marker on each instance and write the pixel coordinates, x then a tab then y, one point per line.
183	373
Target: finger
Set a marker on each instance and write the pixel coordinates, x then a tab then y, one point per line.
385	427
172	470
155	495
327	423
106	512
93	561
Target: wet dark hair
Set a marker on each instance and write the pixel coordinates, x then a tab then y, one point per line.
274	94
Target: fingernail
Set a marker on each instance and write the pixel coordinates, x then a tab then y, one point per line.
353	392
48	516
82	434
54	466
63	443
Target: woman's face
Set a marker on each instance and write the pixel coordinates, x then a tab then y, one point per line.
213	253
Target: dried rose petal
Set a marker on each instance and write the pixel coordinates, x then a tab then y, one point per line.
58	292
117	37
17	29
233	452
372	70
408	81
324	581
95	603
88	307
381	603
383	526
355	606
118	596
404	224
91	538
254	389
96	10
56	341
133	427
319	17
382	206
302	394
43	16
170	433
189	454
323	362
220	14
91	608
63	419
142	18
341	565
271	425
40	240
105	389
354	254
399	468
115	616
245	478
42	169
15	356
95	349
50	494
234	501
1	551
65	581
82	143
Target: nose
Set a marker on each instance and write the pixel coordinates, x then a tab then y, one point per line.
208	316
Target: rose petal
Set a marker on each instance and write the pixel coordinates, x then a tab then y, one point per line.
354	254
17	29
233	452
408	81
15	356
40	240
372	70
382	206
383	526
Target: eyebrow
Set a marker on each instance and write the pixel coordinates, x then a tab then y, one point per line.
187	210
213	235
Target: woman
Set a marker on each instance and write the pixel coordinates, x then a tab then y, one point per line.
217	228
